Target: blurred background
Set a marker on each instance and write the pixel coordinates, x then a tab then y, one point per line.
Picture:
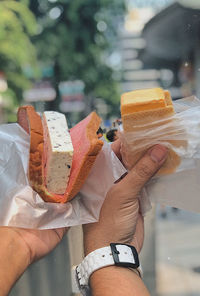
76	56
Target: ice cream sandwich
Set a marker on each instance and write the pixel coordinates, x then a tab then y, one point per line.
148	109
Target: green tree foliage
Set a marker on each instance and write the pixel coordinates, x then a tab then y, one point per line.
77	37
17	24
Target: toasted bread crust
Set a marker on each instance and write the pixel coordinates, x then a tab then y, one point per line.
31	122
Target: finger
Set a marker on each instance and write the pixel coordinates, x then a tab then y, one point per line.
116	146
145	168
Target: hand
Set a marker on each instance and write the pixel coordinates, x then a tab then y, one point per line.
37	242
120	220
19	248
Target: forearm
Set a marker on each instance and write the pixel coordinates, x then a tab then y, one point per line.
118	281
14	259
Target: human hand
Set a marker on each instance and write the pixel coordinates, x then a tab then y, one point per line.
19	248
120	220
37	242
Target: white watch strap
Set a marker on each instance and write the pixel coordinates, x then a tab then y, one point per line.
101	258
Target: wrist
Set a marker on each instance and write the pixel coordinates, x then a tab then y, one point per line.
108	271
116	254
91	245
102	238
13	243
14	258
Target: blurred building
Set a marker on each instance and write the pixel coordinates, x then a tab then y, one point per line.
173	42
134	74
160	47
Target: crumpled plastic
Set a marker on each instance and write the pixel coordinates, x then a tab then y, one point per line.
180	132
20	206
180	189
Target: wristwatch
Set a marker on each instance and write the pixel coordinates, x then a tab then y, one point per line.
115	254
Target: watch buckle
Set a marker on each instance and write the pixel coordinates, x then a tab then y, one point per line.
115	254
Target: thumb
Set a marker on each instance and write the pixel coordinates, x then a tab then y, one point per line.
116	147
145	168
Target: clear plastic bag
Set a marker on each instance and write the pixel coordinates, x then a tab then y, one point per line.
180	133
180	189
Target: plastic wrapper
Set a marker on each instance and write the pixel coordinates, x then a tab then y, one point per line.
20	206
182	134
180	190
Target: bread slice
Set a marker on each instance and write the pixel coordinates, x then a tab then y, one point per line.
86	148
143	110
31	122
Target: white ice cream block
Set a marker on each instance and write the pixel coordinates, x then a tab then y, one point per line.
58	151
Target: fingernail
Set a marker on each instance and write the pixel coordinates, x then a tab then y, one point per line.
158	153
